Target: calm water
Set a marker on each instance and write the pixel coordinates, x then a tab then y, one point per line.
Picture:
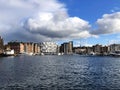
71	72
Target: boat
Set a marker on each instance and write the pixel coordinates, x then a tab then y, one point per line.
92	54
8	53
116	53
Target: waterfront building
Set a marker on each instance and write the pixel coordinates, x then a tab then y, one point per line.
62	48
36	48
21	47
114	47
29	47
1	45
80	50
66	48
97	48
70	47
89	50
48	48
105	50
18	47
24	47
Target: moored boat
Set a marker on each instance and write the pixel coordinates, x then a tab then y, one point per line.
116	53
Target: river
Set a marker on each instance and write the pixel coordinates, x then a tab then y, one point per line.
67	72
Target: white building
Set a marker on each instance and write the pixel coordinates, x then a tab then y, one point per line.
49	48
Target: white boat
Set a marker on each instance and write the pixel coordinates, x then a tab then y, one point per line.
42	54
92	54
9	53
116	53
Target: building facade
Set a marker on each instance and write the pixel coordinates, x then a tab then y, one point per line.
114	47
24	47
29	47
1	45
36	48
18	47
97	48
48	48
66	48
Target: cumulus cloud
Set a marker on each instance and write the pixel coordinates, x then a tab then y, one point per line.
108	24
39	20
56	26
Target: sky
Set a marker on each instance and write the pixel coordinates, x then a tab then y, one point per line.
84	22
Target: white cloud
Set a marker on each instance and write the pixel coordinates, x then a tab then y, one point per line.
108	24
113	42
39	20
56	26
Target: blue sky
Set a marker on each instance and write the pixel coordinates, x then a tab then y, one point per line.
84	22
91	11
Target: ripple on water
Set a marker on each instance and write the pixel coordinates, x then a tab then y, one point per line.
59	73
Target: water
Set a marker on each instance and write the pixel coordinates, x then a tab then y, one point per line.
67	72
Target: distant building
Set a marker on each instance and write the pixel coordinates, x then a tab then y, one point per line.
70	46
89	50
48	48
80	50
18	47
66	48
114	47
1	45
36	48
29	47
97	48
24	47
104	49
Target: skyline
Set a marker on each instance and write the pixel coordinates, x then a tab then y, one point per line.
42	20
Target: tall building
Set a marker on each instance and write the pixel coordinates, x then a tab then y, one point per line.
21	47
66	48
70	47
1	45
48	47
36	48
29	47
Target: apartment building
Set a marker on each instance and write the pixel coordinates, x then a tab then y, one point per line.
48	47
